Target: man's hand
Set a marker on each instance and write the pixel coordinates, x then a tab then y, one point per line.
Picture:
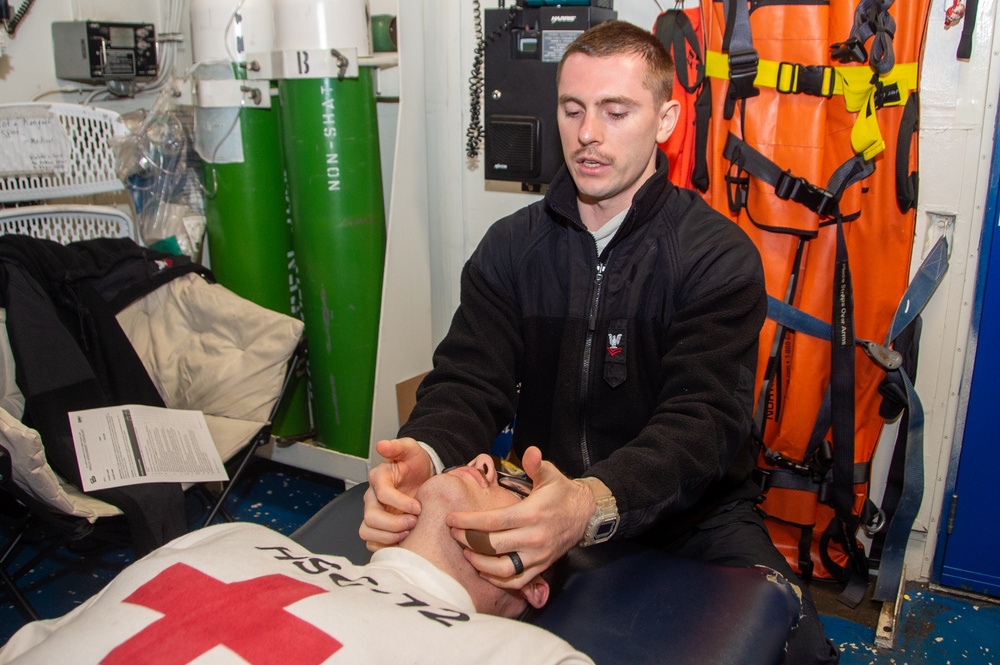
390	509
540	529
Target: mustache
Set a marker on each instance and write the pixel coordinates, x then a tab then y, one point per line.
590	153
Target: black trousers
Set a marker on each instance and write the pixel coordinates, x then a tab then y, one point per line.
735	535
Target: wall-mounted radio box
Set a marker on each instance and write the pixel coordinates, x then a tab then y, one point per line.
96	51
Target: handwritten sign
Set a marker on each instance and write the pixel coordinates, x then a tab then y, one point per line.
32	142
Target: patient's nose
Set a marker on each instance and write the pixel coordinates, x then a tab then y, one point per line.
484	463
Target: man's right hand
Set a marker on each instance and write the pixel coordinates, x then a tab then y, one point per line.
390	509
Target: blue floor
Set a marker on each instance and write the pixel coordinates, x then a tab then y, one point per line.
935	628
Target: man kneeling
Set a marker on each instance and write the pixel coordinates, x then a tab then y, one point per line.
244	593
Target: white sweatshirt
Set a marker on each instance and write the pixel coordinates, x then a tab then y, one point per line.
243	593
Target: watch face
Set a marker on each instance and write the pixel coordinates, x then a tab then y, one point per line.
605	529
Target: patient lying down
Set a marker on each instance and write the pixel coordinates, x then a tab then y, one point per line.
238	593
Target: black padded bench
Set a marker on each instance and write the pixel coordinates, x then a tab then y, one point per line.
624	603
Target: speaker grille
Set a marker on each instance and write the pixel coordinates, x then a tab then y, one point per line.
512	148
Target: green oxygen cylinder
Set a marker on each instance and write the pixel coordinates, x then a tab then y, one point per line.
331	152
238	137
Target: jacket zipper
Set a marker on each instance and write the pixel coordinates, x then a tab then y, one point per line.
587	349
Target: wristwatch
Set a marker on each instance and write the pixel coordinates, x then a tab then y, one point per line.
604	523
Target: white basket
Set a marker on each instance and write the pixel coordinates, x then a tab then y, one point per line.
91	164
67	223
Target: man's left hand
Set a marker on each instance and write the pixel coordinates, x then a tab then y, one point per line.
540	529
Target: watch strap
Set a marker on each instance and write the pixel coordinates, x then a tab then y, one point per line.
604	522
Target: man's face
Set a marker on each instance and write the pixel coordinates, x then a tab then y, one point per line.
610	125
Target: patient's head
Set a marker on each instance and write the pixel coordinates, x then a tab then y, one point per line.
472	487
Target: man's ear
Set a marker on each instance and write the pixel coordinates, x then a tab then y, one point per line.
670	112
536	592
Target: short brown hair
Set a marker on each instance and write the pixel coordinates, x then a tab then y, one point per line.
622	38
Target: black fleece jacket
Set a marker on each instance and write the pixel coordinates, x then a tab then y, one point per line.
635	366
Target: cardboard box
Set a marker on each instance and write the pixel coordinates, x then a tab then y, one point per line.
406	396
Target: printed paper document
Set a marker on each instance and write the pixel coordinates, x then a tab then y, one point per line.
132	444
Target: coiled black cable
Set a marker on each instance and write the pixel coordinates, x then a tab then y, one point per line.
474	133
18	15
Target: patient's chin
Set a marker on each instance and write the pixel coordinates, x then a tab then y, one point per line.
442	491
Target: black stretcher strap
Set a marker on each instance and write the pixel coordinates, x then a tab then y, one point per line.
906	180
743	58
787	186
871	18
674	30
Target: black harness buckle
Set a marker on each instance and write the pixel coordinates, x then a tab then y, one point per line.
794	78
848	51
742	72
800	190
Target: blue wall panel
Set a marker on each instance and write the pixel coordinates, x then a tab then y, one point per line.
972	549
